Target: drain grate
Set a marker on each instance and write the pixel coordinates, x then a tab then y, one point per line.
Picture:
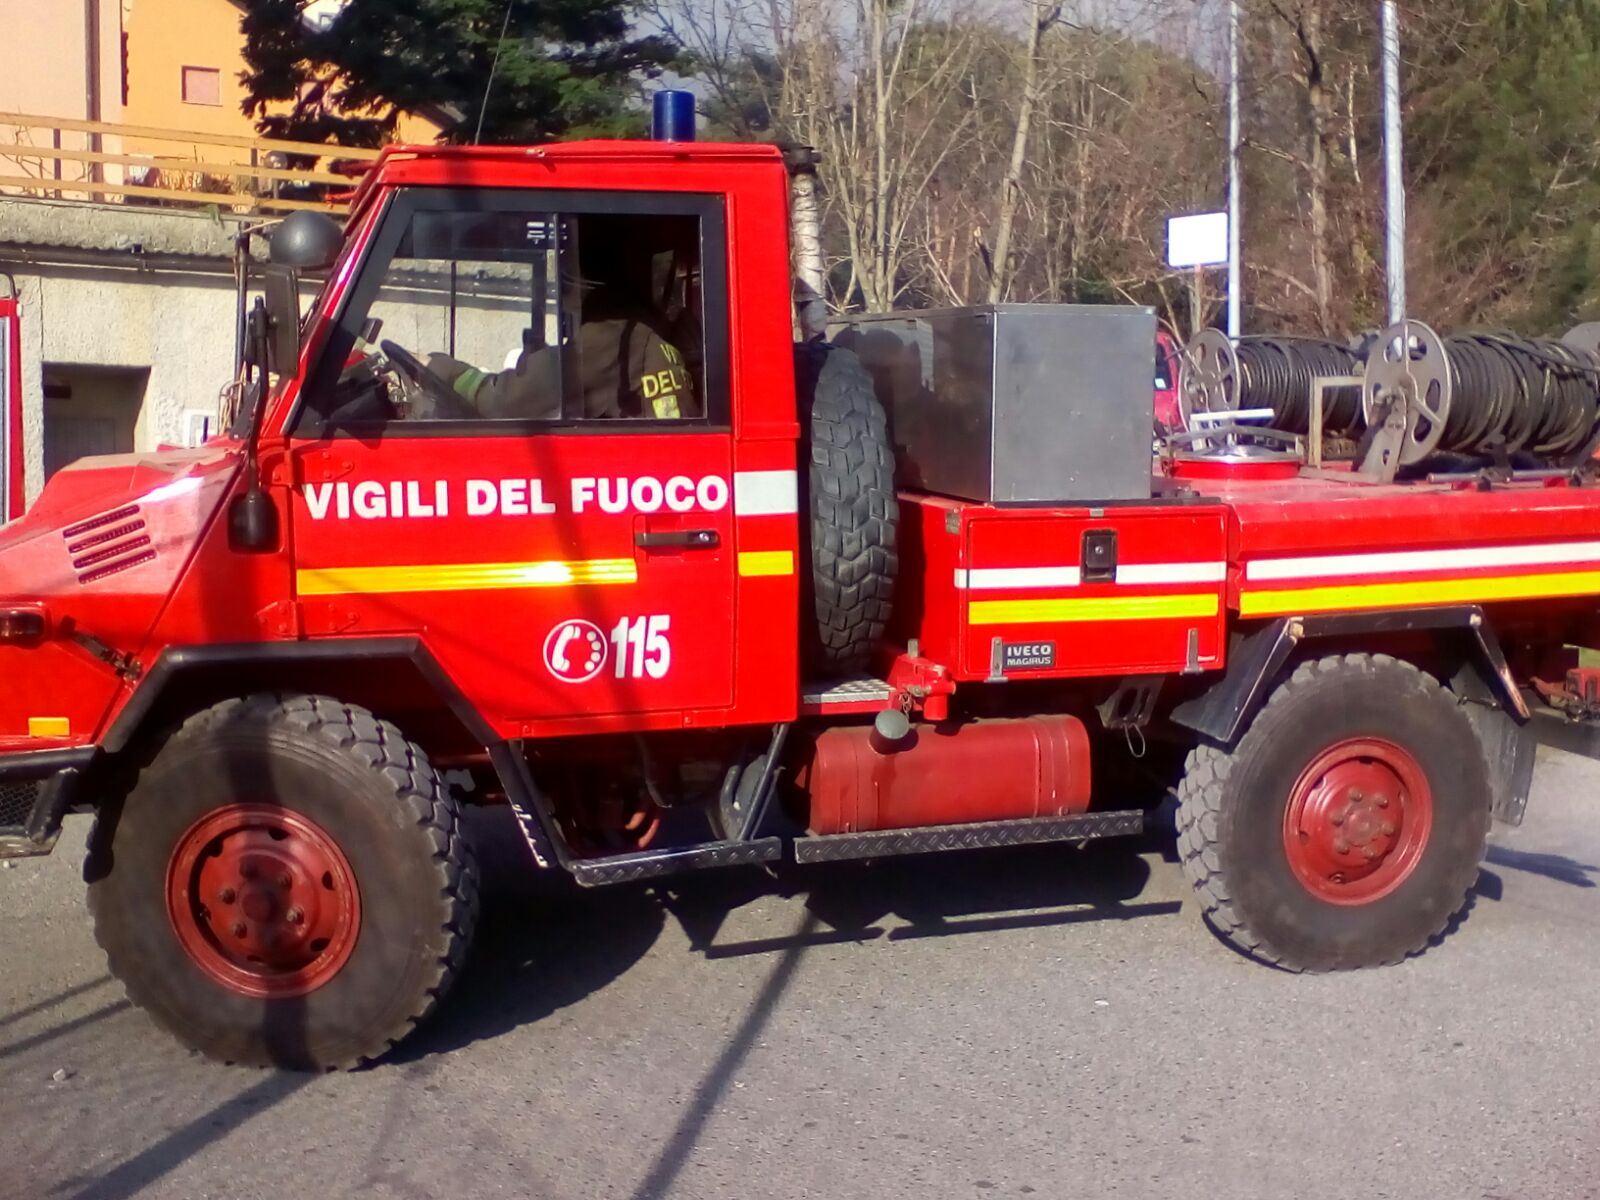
16	802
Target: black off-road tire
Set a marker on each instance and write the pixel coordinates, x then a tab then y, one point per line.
1231	817
379	799
849	493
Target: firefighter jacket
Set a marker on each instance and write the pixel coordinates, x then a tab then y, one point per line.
625	369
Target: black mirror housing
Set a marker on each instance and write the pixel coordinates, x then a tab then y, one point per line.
306	241
282	287
252	522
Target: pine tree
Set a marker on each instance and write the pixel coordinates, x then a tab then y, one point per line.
565	68
1503	137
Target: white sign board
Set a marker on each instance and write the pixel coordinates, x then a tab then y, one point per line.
1200	240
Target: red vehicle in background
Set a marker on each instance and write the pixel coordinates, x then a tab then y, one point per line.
1168	416
11	460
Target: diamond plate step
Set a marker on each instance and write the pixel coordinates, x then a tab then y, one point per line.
936	839
647	864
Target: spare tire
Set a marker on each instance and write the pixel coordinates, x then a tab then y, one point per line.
849	494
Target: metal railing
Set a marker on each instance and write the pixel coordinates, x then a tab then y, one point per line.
188	176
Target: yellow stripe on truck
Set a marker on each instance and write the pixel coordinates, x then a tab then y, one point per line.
1419	594
1099	608
766	562
462	577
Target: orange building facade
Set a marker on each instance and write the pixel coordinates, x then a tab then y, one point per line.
173	65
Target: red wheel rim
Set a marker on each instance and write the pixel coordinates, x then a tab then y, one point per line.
263	900
1358	821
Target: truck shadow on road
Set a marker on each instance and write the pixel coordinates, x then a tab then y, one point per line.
544	944
1552	866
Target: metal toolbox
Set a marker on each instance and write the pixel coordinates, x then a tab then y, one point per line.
1015	403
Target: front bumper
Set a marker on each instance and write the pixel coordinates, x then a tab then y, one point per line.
36	790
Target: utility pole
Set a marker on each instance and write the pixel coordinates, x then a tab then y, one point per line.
92	100
1394	163
1235	201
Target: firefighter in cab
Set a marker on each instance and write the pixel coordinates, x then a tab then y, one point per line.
628	367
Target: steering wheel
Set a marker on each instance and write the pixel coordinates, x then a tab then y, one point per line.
446	403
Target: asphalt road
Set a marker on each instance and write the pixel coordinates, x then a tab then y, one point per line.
1048	1022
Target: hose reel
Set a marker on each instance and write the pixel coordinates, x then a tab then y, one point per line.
1280	373
1480	394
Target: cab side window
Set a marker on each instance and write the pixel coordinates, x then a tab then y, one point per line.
559	316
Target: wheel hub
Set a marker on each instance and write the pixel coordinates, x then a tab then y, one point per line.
1357	821
263	900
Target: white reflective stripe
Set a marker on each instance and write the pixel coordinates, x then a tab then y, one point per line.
1147	573
1404	561
765	493
988	579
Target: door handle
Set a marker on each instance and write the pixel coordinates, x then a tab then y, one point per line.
679	539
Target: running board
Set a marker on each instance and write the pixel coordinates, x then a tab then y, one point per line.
647	864
935	839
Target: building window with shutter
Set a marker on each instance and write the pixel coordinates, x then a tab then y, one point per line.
202	85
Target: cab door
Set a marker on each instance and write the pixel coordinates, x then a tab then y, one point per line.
562	566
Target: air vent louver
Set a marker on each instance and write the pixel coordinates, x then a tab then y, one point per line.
112	542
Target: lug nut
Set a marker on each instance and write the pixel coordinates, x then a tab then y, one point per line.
1388	829
1383	802
1369	853
294	916
1340	846
1355	795
227	895
283	879
238	929
1337	818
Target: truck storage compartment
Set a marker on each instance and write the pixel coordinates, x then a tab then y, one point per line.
947	775
1006	593
1016	403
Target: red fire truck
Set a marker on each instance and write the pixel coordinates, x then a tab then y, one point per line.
11	461
911	590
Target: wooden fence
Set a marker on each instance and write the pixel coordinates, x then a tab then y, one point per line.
187	171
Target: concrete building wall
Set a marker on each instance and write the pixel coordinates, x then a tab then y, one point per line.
179	325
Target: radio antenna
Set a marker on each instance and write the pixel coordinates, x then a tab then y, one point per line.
483	109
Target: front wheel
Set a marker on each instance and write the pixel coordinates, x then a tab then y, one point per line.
1346	827
285	884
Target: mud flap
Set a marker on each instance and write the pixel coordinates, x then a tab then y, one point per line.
1510	747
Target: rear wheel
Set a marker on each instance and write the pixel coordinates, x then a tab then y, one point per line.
286	883
1346	827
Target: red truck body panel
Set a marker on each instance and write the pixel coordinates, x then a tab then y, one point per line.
985	582
550	619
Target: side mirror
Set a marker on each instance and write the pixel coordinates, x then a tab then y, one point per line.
306	241
282	287
252	522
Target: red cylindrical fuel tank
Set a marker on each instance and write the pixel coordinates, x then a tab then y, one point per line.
947	775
